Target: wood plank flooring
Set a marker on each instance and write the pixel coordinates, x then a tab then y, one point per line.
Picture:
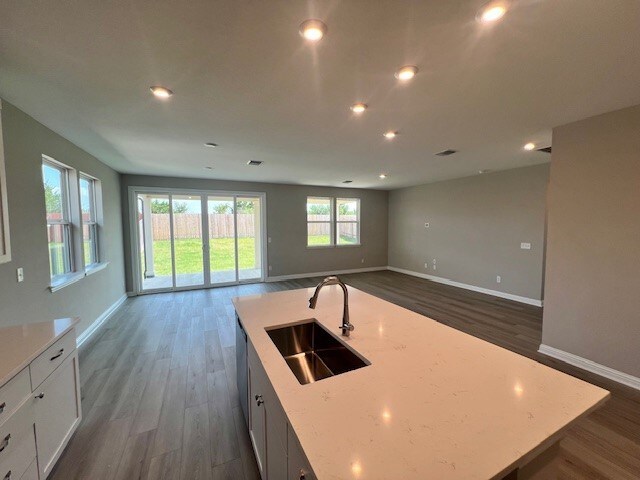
160	401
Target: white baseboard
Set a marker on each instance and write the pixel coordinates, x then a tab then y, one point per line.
324	274
84	336
446	281
591	366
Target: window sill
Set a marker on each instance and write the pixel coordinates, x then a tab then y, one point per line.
313	247
96	267
62	281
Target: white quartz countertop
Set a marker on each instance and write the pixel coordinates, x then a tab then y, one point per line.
21	344
435	403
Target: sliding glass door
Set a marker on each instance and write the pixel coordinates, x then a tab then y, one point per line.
222	239
197	240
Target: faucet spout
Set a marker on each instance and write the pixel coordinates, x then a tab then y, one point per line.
346	326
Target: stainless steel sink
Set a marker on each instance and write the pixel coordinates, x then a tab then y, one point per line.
312	353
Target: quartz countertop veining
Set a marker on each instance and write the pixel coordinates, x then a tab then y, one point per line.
21	344
435	403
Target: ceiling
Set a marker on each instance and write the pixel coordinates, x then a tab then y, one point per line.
245	79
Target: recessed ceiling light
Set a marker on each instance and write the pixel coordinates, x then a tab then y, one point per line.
492	11
313	30
161	92
390	135
382	176
530	146
406	73
211	144
359	107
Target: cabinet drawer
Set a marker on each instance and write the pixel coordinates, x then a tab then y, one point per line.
31	473
51	358
17	442
12	395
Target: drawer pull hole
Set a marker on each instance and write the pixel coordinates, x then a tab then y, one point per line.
2	406
58	355
5	442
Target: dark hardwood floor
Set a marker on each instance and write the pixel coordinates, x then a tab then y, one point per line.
160	401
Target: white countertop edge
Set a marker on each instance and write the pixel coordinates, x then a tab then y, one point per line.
27	359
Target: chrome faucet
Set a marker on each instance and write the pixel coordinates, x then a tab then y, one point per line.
346	327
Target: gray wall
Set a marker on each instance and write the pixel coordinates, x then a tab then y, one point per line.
476	225
592	304
25	140
286	224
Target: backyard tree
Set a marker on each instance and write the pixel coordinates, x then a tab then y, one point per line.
162	206
52	199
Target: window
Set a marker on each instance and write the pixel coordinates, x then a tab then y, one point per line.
319	221
56	192
89	220
332	221
73	208
5	248
348	221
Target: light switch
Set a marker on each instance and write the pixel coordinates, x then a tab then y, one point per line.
525	246
20	274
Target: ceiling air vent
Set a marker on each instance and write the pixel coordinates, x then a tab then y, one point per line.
446	153
254	163
545	149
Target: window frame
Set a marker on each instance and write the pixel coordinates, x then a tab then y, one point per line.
338	221
334	223
331	221
66	221
93	222
5	242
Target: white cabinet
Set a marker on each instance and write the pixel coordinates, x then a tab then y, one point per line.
257	419
57	412
267	422
298	466
40	405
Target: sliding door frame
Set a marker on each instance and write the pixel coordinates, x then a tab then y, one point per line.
134	237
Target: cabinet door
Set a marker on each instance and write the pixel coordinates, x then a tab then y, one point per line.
257	418
298	467
57	413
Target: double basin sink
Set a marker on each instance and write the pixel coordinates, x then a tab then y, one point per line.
312	353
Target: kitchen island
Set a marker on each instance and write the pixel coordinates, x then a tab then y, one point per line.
431	403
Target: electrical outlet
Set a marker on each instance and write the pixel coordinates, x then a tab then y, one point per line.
269	267
498	279
362	260
434	267
269	240
20	274
426	265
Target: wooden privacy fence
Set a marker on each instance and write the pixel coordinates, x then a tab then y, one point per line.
344	229
189	225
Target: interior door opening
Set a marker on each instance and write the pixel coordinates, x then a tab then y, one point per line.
198	240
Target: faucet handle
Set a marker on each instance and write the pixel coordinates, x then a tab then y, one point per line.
347	327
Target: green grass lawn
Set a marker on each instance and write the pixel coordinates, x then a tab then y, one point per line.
324	240
189	255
